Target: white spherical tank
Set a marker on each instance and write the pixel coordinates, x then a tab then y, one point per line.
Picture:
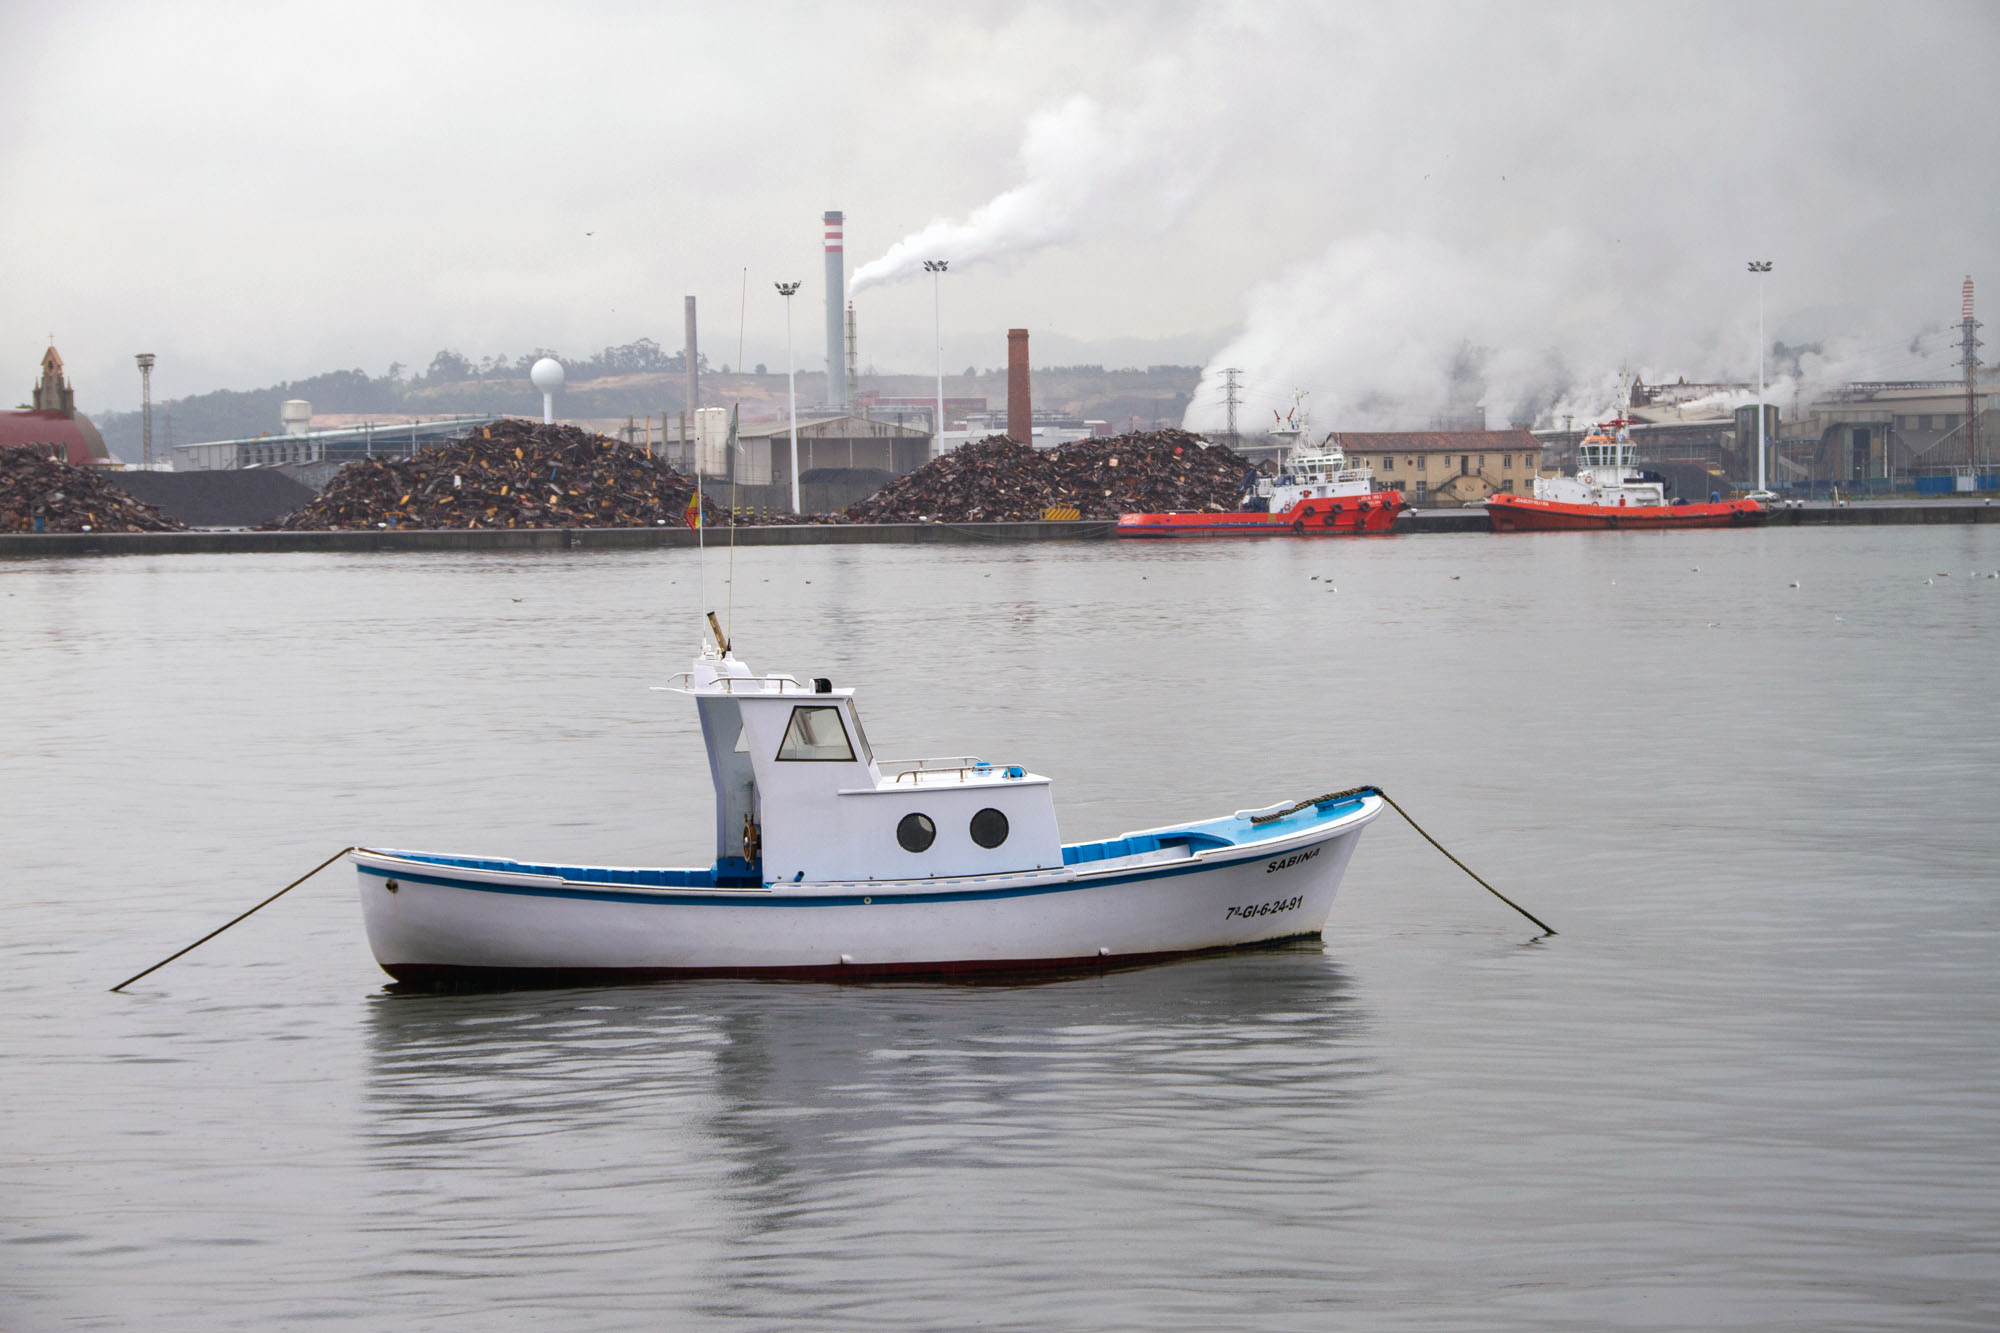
547	375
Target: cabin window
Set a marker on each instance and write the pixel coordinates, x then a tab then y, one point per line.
816	733
989	827
916	833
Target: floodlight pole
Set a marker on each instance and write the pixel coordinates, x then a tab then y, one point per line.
936	268
786	290
145	360
1760	267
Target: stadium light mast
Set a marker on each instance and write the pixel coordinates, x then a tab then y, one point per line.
788	290
145	407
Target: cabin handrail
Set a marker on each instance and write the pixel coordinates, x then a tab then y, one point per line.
955	767
684	680
918	765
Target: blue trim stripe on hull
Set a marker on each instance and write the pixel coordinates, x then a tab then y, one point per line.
754	899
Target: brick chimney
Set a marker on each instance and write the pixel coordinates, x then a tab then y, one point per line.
1020	407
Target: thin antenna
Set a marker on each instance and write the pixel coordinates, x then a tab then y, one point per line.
735	444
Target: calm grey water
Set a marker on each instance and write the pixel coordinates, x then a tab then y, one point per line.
1754	1083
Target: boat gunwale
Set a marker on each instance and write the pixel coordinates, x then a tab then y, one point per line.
391	864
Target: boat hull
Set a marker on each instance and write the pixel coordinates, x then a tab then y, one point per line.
430	922
1520	513
1331	516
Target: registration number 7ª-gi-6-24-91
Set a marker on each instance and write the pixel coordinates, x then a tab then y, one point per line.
1264	909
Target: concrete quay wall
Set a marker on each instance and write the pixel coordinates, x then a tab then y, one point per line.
218	542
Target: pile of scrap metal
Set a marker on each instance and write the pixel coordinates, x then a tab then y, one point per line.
997	480
39	493
512	474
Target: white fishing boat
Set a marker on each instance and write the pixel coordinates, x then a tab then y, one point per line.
830	862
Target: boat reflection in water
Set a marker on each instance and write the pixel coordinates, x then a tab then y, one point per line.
748	1137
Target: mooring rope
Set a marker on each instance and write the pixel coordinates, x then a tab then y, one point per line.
1377	791
225	926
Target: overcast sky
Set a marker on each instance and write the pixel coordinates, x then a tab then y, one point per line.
1341	199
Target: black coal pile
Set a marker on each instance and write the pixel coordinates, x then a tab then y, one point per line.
43	494
999	481
512	474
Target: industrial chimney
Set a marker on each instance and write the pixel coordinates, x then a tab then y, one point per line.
1020	408
693	363
836	293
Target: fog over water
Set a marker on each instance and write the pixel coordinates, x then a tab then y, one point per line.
1752	1084
1346	200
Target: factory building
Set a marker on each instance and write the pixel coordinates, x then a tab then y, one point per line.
51	423
1892	435
308	452
847	443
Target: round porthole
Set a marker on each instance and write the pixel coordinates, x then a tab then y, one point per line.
916	833
989	827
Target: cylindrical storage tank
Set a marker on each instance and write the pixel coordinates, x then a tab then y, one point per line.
296	416
711	434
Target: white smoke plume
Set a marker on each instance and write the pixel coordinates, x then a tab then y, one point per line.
1403	332
1084	165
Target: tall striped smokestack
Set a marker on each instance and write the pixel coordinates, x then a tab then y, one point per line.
1020	407
836	296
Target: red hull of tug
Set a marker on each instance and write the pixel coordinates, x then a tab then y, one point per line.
1331	516
1520	513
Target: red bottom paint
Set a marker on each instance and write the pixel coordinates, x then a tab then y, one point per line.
1331	516
1520	513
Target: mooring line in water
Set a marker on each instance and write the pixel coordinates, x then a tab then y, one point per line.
1377	791
252	912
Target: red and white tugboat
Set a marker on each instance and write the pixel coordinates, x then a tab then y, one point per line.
1317	495
1609	492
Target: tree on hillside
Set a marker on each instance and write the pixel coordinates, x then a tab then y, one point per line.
449	367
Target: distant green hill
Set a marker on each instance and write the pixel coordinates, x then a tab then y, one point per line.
634	380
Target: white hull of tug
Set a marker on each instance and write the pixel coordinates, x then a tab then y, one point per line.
441	924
